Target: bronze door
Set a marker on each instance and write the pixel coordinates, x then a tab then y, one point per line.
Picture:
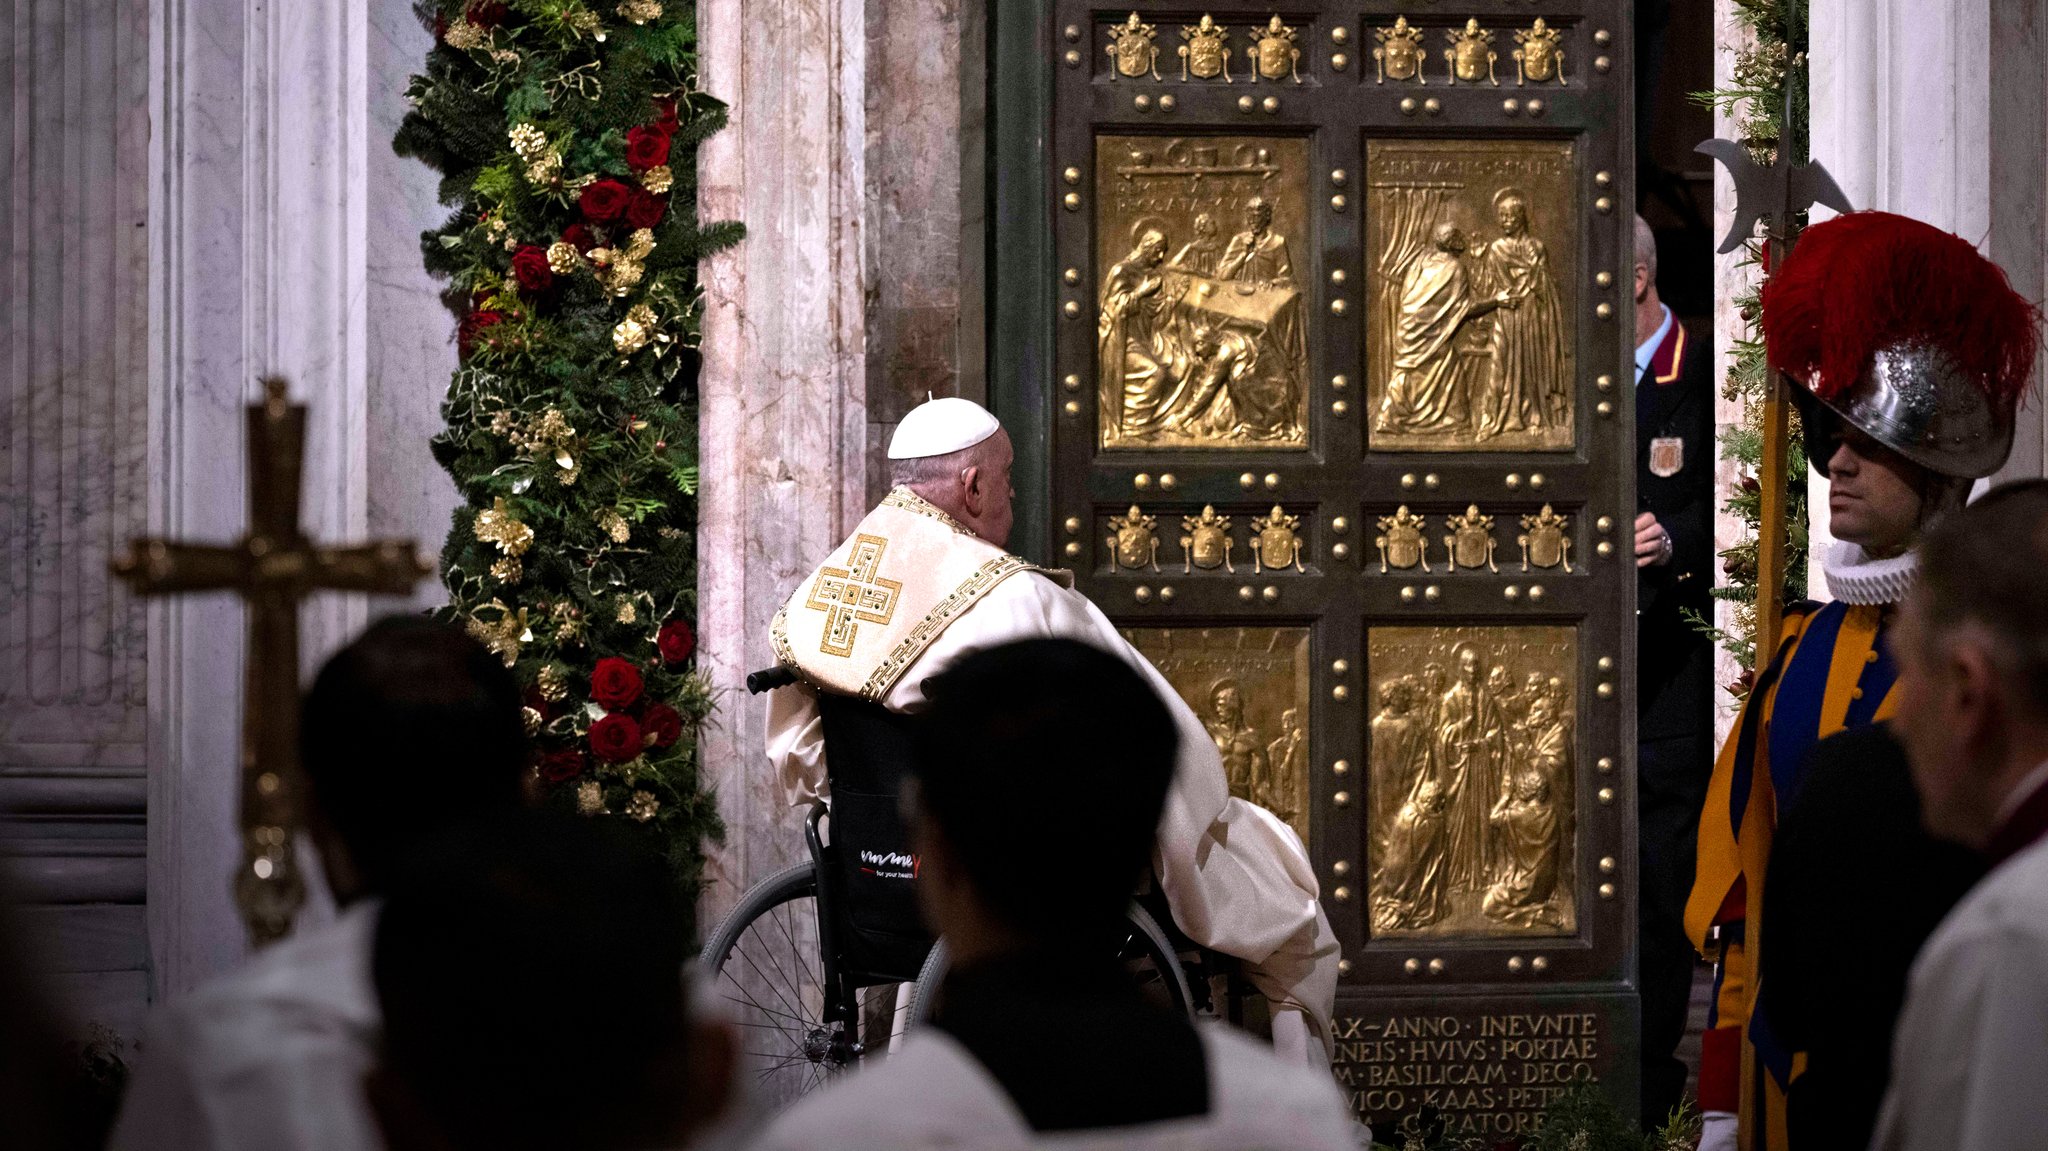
1340	306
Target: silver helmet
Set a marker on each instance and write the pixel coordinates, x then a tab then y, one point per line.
1915	400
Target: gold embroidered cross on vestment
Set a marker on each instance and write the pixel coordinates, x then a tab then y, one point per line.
854	595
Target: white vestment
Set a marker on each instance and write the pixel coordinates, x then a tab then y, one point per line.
1971	1050
934	1094
269	1057
1237	877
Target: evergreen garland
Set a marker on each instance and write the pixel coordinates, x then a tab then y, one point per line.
1768	103
565	132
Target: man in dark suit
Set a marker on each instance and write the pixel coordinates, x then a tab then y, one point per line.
1674	660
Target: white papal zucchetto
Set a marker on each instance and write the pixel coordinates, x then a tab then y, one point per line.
941	427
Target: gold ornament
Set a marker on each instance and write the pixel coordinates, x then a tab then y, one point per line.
504	637
590	798
563	257
629	336
616	527
642	807
499	526
586	23
463	36
624	276
658	179
627	613
640	11
545	170
511	243
552	681
532	720
508	570
640	244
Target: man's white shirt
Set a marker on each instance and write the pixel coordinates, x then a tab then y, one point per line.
933	1094
1971	1049
269	1057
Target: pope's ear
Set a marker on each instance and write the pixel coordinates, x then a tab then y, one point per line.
970	485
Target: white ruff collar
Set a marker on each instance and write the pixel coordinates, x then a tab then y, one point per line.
1857	579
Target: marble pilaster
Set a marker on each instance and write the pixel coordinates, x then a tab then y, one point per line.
1730	280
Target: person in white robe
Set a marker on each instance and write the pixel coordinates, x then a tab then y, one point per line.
1971	1048
1039	1038
923	581
411	726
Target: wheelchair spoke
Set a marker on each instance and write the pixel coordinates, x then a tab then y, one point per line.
773	978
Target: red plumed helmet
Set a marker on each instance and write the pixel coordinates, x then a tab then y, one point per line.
1908	333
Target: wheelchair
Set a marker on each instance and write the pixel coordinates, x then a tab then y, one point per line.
828	961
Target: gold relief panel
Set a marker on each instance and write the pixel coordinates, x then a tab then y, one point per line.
1202	319
1250	687
1471	747
1472	245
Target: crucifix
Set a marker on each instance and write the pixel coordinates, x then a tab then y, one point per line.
273	567
1778	195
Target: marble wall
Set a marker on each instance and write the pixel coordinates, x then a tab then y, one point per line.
74	406
856	291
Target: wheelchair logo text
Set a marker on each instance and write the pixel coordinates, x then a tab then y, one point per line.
889	864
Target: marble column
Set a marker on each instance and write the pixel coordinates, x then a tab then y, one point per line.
785	373
1731	280
74	153
1938	109
276	247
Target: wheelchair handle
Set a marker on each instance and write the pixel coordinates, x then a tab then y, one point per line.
768	679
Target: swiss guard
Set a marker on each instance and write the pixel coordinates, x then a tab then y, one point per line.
1909	354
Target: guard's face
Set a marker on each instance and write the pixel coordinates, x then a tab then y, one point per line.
1873	495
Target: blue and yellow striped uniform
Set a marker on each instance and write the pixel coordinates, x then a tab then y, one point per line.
1830	672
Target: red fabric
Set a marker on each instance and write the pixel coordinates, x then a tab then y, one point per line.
1721	1069
1868	280
1735	908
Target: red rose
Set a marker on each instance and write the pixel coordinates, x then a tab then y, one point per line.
647	146
580	236
676	641
665	112
530	268
561	766
647	209
661	725
614	683
603	200
473	327
615	738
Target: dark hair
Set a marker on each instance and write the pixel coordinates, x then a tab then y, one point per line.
530	968
1044	765
1985	564
411	726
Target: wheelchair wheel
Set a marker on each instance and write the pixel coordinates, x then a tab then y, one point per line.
1144	951
799	1025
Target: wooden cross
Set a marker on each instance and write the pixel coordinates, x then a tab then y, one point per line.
273	568
1777	195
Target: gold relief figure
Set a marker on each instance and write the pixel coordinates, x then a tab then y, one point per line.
1275	546
1437	300
1470	781
1134	48
1250	688
1130	376
1471	56
1539	56
1210	348
1526	823
1244	754
1470	544
1134	540
1205	55
1283	791
1274	52
1468	347
1527	386
1471	747
1545	542
1202	254
1400	55
1208	544
1258	254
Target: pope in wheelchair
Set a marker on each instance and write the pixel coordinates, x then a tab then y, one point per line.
923	581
